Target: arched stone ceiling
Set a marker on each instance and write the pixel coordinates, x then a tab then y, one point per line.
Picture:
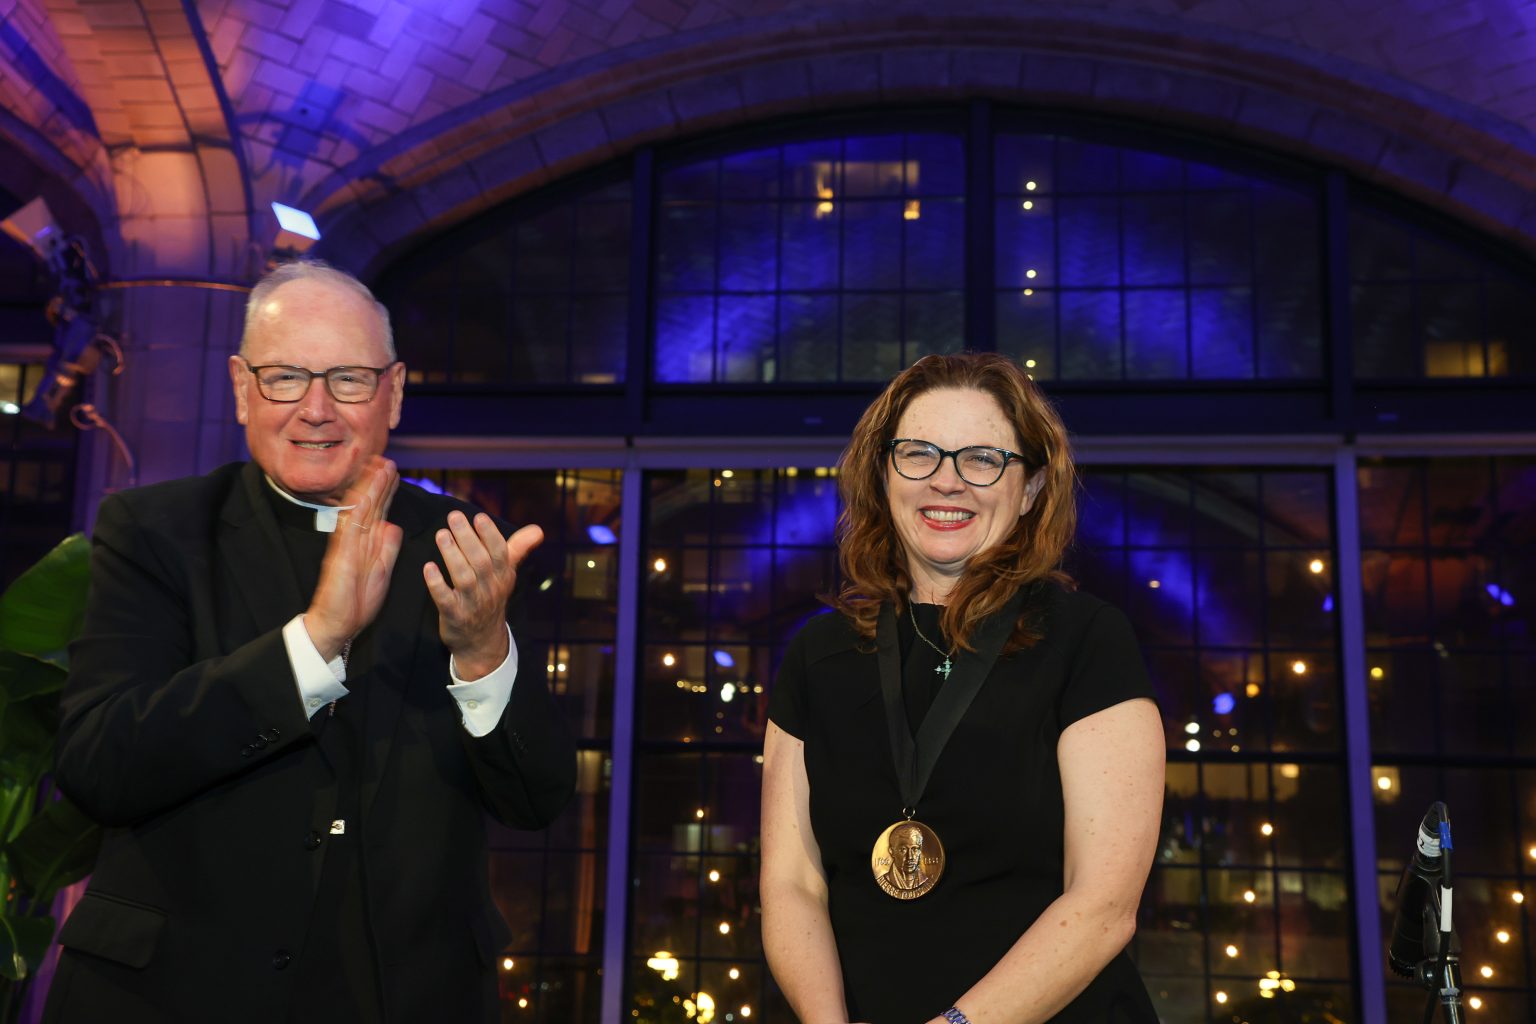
394	118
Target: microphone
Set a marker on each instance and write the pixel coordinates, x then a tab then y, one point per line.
1416	931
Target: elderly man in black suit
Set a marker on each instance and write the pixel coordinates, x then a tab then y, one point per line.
294	698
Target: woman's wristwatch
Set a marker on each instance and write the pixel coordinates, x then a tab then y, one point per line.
954	1016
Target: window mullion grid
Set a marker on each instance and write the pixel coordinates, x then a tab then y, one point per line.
1357	737
626	660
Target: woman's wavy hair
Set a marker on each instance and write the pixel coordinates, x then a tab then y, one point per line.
874	565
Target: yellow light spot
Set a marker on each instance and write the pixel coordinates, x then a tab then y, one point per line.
746	1011
591	564
1475	1002
668	659
714	876
1531	853
1154	584
1221	997
1232	951
727	473
1316	566
550	667
660	565
725	928
1267	829
1031	274
559	666
1383	782
1029	204
1501	935
522	1003
699	814
1030	186
1192	728
1517	896
823	209
1252	689
507	964
1249	896
1377	672
1029	364
735	973
1287	985
1485	971
665	964
1028	292
1299	667
792	472
1192	746
1290	771
913	210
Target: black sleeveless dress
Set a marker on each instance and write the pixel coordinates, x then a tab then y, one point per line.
994	800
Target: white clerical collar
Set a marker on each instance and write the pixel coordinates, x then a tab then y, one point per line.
325	515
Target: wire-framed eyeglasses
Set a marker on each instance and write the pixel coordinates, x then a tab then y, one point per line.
347	384
978	465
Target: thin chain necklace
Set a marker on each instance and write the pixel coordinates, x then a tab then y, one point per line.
947	666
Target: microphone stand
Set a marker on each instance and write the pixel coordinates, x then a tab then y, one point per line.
1440	971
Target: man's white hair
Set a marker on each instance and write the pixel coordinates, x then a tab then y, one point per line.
312	270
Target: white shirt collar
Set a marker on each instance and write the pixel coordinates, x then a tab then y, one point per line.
325	515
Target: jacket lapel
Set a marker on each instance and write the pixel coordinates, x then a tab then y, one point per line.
404	632
252	548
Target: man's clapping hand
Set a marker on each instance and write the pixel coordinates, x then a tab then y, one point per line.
482	569
354	577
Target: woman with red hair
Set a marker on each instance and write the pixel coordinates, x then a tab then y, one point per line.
963	770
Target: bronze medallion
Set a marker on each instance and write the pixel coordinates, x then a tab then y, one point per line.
907	860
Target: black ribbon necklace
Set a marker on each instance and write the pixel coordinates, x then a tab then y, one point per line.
908	857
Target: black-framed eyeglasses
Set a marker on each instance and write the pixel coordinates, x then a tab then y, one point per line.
978	465
349	385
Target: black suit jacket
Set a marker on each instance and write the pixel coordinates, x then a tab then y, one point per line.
183	733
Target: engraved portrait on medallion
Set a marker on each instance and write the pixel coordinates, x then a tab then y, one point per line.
907	860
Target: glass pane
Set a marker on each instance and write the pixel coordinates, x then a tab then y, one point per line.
1153	230
685	338
1026	330
1088	241
1156	340
1090	335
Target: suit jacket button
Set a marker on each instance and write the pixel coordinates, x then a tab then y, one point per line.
271	735
312	840
281	959
247	751
259	743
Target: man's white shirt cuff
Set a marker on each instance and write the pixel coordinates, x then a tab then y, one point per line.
482	701
319	681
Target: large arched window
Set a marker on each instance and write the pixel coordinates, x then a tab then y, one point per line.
1236	339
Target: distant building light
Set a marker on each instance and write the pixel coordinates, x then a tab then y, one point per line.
601	534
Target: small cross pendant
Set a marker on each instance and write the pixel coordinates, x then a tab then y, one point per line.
943	670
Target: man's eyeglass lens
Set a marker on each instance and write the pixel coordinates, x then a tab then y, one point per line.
291	383
918	460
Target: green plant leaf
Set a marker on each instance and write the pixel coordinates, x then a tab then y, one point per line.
56	848
24	675
23	944
26	737
41	611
